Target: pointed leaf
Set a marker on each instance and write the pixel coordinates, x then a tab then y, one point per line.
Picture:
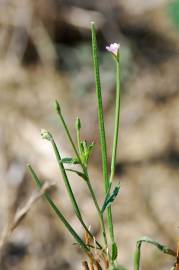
160	246
82	147
78	173
110	198
84	144
58	212
146	239
69	160
90	146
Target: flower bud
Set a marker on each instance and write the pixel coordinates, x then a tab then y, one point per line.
78	123
46	135
57	107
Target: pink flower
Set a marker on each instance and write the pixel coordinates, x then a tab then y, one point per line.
113	48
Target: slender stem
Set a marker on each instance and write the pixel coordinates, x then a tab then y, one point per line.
110	224
148	240
137	256
84	171
78	141
101	127
117	118
69	189
58	212
115	141
100	108
67	132
65	178
99	212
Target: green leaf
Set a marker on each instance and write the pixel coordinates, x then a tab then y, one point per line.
58	212
148	240
85	150
88	150
160	246
114	252
70	160
78	173
110	198
82	147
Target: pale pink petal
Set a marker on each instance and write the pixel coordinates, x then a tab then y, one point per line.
113	48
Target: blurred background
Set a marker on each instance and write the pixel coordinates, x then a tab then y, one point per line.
45	54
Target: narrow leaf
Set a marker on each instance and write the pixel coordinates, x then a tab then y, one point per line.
110	198
58	212
148	240
160	246
78	173
69	160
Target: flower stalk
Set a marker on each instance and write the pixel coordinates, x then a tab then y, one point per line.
102	134
48	136
85	171
117	118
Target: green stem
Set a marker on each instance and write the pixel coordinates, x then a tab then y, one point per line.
137	256
100	108
98	210
115	142
69	189
58	110
116	124
78	141
62	120
65	178
148	240
101	127
58	212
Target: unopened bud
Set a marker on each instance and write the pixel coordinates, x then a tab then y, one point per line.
57	107
46	135
78	123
